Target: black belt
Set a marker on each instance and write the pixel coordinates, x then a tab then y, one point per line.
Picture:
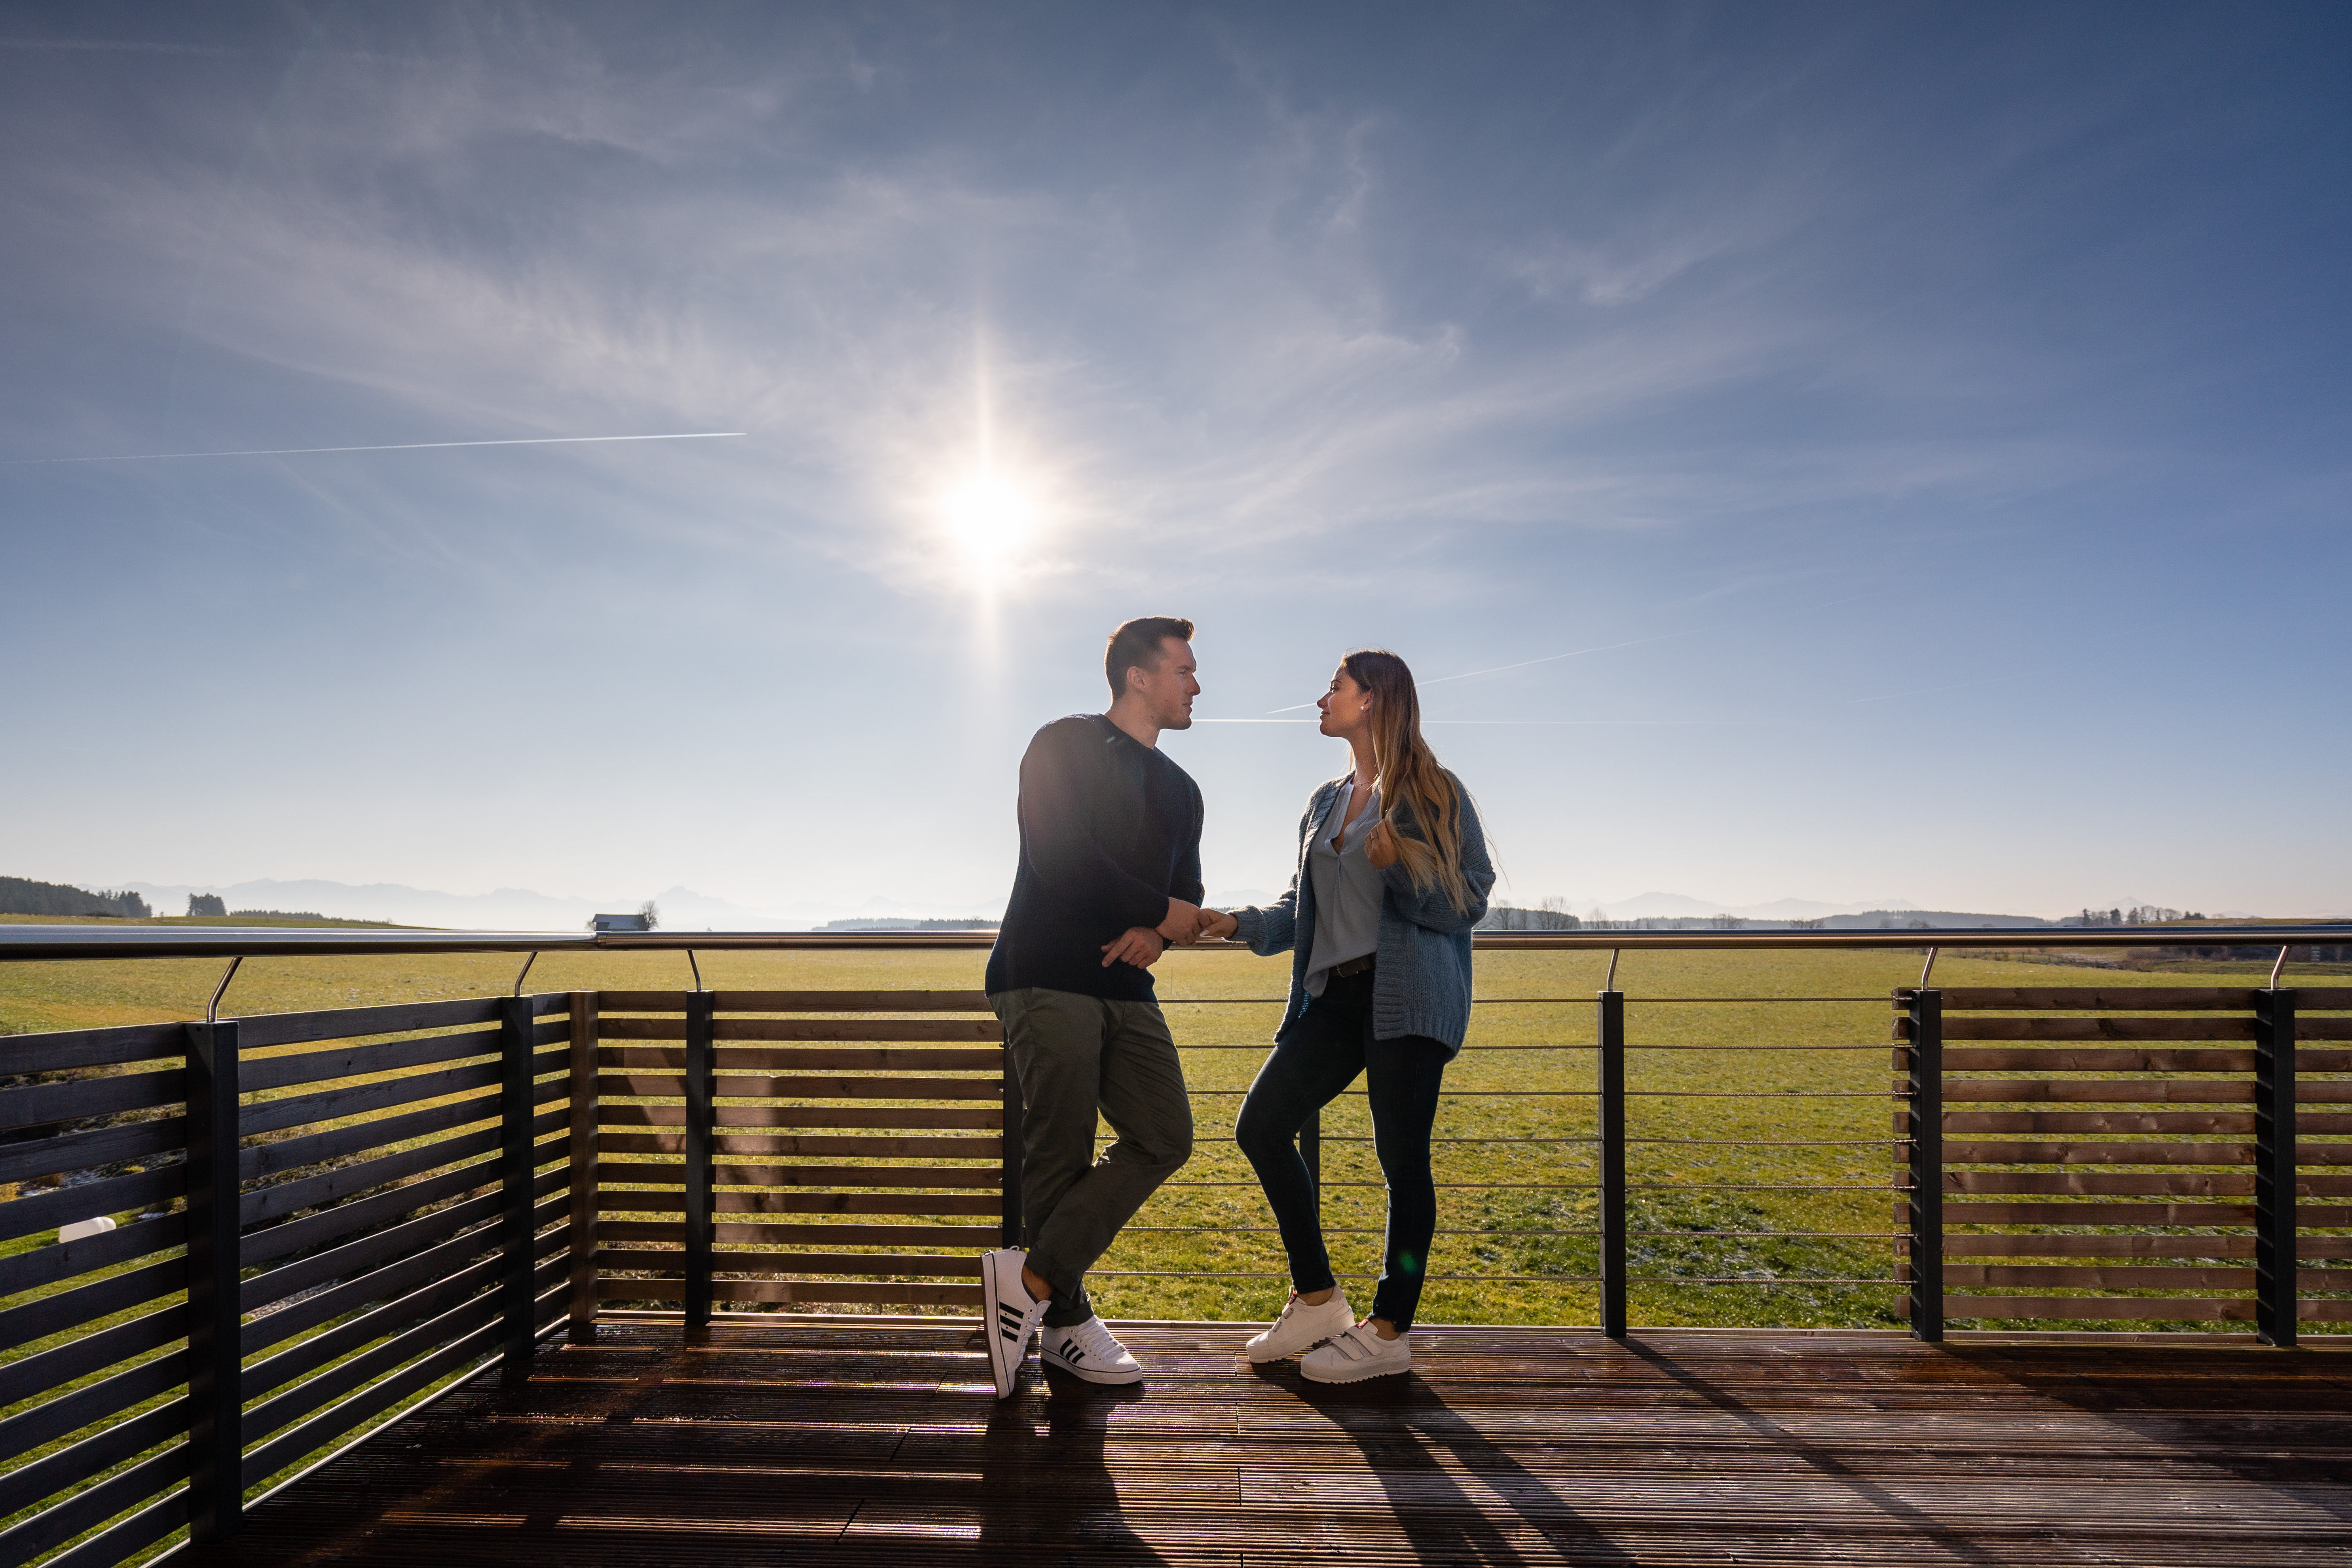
1354	966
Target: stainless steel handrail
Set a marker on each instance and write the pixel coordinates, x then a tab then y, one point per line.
74	942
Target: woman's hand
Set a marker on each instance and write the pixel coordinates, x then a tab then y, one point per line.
1380	848
1138	945
1216	925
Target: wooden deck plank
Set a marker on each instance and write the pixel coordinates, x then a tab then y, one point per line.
846	1445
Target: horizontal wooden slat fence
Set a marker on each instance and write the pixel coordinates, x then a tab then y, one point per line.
307	1239
2138	1153
836	1148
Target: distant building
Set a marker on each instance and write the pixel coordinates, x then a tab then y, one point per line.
621	922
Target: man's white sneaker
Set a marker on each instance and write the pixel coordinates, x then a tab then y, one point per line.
1089	1350
1302	1327
1012	1314
1357	1354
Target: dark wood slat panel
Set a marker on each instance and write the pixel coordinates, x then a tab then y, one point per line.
2076	1091
2323	1061
441	1317
2144	1183
257	1073
61	1365
309	1192
2240	1122
38	1104
64	1260
358	1258
90	1404
2082	1153
736	1201
971	1118
47	1315
2096	999
2098	1246
802	1086
70	1050
776	1144
739	1059
855	1002
2306	1028
2186	1183
800	1175
101	1146
2206	1028
2177	1308
801	1001
345	1219
875	1293
266	1459
796	1263
2124	1277
979	1238
2096	1213
49	1210
347	1023
312	1148
331	1104
52	1473
941	1030
2059	1059
912	1029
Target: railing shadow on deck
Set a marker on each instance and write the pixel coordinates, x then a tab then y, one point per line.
334	1213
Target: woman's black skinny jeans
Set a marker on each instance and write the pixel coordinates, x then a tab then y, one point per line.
1330	1044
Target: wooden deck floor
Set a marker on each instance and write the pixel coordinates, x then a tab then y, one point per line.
821	1446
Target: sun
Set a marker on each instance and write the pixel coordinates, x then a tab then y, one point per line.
990	515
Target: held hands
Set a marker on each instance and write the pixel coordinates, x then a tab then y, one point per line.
1380	848
1216	925
1185	923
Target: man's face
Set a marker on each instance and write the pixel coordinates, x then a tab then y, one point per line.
1168	689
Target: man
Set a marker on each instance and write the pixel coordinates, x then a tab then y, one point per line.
1109	875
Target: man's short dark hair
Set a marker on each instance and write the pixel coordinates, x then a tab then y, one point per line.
1137	642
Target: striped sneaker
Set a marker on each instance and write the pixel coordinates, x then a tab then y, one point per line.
1090	1351
1012	1314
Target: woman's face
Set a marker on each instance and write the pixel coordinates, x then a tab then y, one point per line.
1347	708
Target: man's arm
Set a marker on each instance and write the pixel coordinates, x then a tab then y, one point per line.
1185	916
1057	818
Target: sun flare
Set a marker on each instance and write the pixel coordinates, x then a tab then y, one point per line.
990	515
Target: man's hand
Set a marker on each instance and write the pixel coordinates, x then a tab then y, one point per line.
1380	848
1182	923
1216	925
1138	945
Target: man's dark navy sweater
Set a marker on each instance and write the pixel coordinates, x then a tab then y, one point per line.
1110	830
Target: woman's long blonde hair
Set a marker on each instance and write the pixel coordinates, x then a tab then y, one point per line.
1410	778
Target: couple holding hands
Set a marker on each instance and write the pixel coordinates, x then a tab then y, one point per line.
1392	874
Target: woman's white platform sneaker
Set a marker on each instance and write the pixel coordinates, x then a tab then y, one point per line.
1302	1327
1357	1354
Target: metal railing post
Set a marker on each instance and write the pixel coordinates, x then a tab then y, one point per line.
516	1018
581	1294
2275	1162
700	1006
1612	1164
1014	1136
215	1417
1924	1097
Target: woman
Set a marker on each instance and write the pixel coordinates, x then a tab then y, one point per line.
1392	874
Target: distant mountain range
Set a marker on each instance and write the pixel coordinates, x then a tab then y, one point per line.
683	908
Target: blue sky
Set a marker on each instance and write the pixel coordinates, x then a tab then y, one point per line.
1934	419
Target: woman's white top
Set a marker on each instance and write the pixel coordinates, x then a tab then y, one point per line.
1347	889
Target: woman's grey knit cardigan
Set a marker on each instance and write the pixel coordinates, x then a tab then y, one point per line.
1422	984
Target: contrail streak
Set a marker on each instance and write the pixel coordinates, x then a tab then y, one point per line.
1522	663
401	446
